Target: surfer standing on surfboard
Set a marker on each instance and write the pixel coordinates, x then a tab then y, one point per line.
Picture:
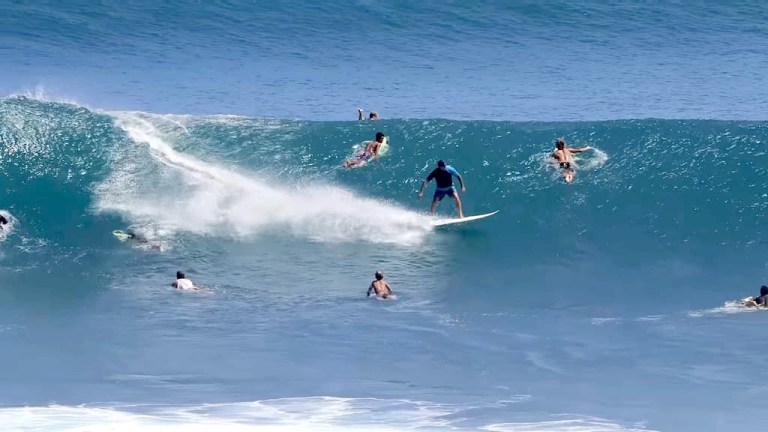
370	151
443	176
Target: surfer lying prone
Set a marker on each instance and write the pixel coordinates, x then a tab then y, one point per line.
182	282
371	151
380	287
760	301
564	157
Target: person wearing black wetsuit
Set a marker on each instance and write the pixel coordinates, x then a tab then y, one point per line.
762	300
443	176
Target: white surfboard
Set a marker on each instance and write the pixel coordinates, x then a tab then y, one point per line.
443	222
121	235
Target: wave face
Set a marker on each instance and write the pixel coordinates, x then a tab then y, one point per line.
567	286
657	184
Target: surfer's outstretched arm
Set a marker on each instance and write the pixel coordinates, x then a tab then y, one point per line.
423	186
370	288
580	150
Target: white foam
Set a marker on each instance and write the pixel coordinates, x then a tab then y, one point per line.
7	229
291	414
729	307
601	321
41	94
591	159
300	414
583	424
200	197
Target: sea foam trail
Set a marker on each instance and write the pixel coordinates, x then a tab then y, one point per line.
293	414
178	192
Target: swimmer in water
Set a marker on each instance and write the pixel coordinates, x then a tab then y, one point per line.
564	157
361	115
182	282
3	222
380	287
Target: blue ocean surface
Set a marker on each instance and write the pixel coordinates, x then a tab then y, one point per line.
216	132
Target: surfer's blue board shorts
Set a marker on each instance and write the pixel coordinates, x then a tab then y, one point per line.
440	193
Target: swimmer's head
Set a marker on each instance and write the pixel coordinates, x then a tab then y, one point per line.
379	275
560	143
3	220
180	275
763	290
380	137
441	164
373	115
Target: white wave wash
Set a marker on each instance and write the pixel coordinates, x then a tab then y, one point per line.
202	198
7	229
316	414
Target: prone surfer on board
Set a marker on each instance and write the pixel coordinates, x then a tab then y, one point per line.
380	287
371	151
443	176
182	282
761	301
564	157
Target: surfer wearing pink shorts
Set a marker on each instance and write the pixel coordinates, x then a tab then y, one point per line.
371	151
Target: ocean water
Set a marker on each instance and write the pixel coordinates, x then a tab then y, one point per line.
217	132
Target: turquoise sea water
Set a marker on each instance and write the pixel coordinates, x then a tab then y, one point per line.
217	132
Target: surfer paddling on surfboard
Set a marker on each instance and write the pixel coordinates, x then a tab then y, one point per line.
443	176
563	155
380	287
371	151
